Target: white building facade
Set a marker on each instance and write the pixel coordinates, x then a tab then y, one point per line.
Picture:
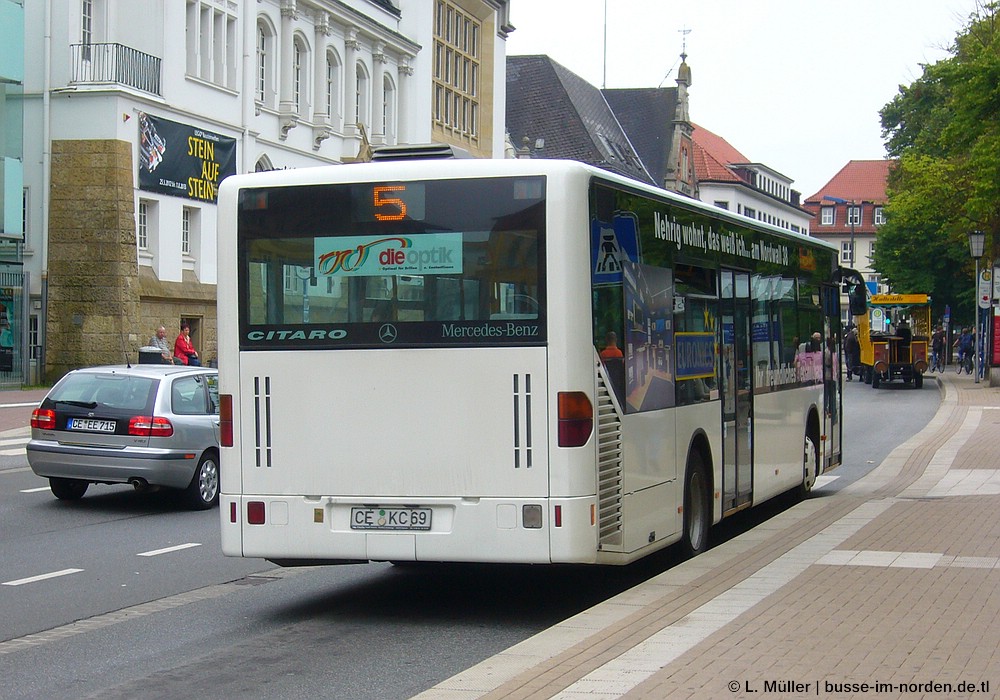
136	109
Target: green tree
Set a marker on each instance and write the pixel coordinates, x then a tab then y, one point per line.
944	132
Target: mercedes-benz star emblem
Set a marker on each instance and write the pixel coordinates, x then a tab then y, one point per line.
387	333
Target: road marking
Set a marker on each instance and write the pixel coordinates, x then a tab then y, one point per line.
165	550
38	490
822	481
41	577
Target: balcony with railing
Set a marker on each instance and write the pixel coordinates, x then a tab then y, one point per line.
115	64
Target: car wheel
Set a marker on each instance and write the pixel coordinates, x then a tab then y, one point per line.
68	489
203	491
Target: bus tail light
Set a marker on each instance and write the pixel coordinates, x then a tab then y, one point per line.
226	420
576	418
255	512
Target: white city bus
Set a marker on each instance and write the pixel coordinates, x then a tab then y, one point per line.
414	366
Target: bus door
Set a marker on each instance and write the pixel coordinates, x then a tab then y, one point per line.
832	396
737	391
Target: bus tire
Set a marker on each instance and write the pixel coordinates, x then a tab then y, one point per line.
697	507
810	464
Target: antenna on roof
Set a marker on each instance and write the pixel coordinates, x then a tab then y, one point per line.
604	80
685	31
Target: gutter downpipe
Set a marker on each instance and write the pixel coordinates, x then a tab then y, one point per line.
46	184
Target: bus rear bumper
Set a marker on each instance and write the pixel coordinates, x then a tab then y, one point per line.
320	530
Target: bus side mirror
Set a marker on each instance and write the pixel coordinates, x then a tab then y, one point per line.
857	299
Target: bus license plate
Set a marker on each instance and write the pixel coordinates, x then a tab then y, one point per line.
92	425
390	518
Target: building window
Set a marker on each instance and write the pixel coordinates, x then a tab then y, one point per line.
389	109
879	217
186	231
87	26
210	34
332	87
261	63
142	226
456	71
722	205
826	217
297	76
847	252
361	95
34	346
750	212
854	216
871	252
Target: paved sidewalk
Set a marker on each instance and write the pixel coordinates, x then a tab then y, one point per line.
888	588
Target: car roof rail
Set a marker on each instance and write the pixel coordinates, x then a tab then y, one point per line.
425	151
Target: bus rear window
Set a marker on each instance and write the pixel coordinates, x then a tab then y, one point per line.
409	264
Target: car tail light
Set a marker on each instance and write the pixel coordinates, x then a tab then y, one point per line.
150	426
226	420
576	418
44	418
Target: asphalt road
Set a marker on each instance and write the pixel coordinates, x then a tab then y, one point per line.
145	606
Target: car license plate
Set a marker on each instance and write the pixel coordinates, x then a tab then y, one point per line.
92	425
390	518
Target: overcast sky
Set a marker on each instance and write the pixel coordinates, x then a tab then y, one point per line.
793	84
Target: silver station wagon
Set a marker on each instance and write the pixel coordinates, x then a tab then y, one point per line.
146	425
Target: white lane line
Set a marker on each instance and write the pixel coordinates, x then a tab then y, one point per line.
822	481
165	550
41	577
38	490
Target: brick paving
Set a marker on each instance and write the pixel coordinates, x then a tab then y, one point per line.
894	582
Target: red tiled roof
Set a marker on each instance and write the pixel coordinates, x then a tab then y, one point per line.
858	181
709	169
716	146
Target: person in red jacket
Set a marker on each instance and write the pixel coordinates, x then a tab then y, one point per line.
183	348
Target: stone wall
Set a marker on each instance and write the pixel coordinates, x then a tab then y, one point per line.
93	277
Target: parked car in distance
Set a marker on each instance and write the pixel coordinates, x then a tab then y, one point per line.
147	425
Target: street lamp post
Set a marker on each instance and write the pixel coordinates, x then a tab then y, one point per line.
977	241
850	218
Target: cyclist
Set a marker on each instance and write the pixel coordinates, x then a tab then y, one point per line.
964	344
937	349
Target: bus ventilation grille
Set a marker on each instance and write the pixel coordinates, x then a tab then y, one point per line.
262	420
609	466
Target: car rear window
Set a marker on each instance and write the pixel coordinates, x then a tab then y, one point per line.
114	391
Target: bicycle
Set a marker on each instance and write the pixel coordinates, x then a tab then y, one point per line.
964	363
937	364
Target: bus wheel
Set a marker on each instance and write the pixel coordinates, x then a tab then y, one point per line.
810	466
697	507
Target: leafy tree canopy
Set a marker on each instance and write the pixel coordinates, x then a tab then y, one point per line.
944	131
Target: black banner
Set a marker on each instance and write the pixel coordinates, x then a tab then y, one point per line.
183	161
